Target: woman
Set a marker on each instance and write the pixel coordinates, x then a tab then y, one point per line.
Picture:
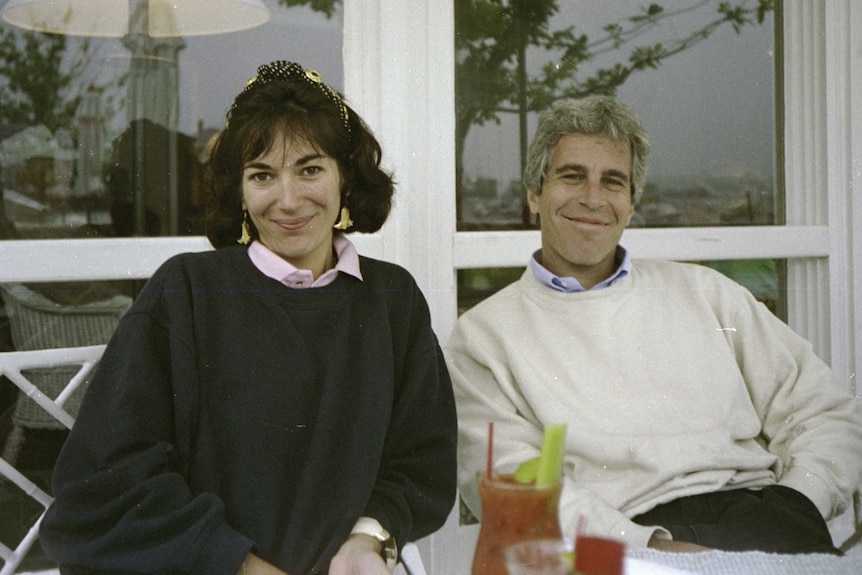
279	404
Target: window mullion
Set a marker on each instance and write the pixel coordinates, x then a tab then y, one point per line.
804	150
842	65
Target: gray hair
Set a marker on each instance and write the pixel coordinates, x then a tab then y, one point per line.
594	115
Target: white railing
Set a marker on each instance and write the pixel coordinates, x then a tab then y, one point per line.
13	366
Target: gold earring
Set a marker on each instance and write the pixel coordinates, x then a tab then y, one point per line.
344	222
245	238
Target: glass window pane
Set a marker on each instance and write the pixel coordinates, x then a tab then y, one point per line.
698	73
761	277
104	137
474	285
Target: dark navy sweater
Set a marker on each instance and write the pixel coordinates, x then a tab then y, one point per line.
232	414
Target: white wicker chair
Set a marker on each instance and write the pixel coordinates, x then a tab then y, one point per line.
79	363
37	322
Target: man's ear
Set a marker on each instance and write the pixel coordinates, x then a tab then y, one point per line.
631	215
533	201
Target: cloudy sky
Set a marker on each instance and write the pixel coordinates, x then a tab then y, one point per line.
707	110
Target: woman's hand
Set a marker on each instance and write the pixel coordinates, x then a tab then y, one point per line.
254	565
359	555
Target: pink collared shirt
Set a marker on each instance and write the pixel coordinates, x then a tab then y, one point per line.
272	265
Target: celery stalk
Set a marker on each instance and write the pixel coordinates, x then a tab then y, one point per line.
551	459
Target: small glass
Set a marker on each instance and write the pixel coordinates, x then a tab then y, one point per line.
513	512
599	556
540	557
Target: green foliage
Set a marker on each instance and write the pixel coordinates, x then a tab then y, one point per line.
33	89
327	7
489	34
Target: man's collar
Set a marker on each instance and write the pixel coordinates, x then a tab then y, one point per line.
572	285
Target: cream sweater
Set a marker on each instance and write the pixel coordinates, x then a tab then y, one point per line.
674	381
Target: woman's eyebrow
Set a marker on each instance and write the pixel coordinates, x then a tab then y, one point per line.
309	158
258	165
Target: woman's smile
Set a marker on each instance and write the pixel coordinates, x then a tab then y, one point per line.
292	193
294	224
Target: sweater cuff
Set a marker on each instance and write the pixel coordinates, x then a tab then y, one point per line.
812	487
223	551
637	536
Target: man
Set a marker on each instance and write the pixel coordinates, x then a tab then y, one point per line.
696	419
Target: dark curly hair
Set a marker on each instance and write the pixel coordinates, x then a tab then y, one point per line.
297	108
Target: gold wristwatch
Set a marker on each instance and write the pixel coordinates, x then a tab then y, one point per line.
372	527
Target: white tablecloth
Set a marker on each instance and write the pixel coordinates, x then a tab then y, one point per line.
651	562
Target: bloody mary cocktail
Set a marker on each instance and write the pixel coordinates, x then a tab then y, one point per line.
513	512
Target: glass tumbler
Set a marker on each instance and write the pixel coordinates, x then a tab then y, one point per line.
513	512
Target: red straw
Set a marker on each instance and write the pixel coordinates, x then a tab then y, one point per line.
488	471
582	526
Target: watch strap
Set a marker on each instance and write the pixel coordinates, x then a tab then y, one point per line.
372	527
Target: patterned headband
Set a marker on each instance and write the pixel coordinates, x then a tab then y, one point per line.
293	72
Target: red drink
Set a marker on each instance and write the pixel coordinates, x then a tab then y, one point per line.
513	512
599	556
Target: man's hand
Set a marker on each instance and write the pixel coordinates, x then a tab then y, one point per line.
670	546
359	555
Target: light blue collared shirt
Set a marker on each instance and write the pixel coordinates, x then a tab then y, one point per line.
274	266
570	284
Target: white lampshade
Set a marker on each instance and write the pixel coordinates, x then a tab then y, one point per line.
111	18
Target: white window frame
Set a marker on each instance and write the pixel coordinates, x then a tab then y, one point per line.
399	72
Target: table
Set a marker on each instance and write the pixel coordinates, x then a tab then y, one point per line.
652	562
